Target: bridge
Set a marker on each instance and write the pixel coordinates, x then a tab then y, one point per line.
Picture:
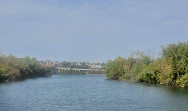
72	69
76	69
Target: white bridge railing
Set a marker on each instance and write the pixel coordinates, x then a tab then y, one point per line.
76	69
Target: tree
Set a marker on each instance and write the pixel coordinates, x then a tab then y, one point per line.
165	75
115	69
177	56
170	69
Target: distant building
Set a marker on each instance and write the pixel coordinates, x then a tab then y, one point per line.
48	63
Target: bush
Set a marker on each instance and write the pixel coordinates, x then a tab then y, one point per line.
170	69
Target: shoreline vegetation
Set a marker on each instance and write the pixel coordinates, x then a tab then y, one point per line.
78	68
13	68
171	68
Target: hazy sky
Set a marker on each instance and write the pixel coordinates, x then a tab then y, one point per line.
90	30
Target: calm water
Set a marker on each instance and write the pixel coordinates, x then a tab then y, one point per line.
89	93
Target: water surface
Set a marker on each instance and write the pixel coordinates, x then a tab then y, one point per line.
89	93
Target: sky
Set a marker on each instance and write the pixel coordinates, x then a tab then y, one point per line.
90	30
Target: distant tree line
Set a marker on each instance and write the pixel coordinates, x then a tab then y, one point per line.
95	71
13	68
66	64
169	69
71	72
76	65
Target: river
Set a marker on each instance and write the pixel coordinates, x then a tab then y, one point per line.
89	93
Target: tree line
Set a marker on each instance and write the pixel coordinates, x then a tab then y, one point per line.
66	64
171	68
14	68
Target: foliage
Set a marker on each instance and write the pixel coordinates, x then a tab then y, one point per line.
66	64
170	69
72	72
177	56
115	69
13	68
165	69
183	82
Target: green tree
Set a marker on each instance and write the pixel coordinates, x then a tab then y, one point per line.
115	69
177	56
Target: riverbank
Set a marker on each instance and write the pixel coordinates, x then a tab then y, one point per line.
169	69
13	68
